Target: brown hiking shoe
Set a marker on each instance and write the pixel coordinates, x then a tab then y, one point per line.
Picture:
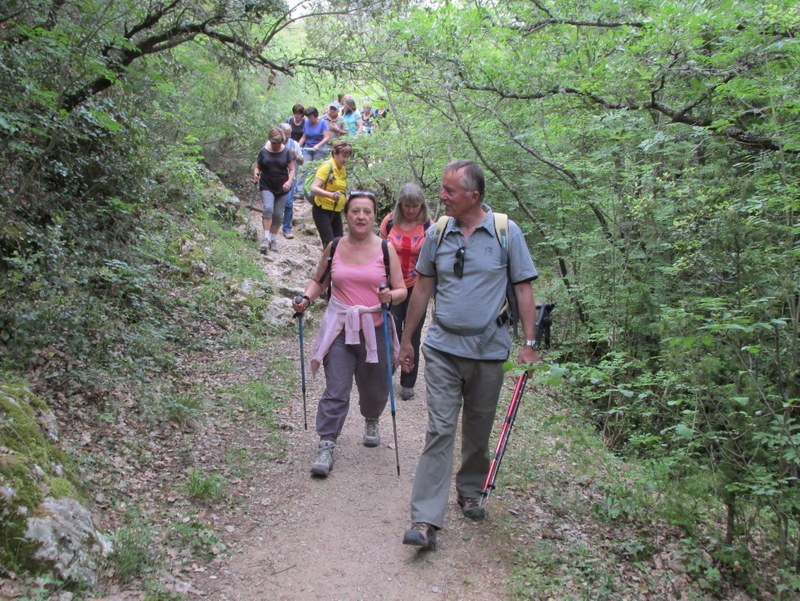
421	534
471	507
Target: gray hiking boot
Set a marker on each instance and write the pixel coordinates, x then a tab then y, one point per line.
372	437
264	247
406	393
420	535
324	462
273	245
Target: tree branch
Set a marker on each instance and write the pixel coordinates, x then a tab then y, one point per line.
684	116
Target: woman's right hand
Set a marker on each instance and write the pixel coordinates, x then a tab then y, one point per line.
301	303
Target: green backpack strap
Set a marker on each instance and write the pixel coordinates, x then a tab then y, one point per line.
441	224
500	231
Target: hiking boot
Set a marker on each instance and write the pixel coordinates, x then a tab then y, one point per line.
288	234
471	508
372	437
406	393
324	462
264	246
273	244
421	534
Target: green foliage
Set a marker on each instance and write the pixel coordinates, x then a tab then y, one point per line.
205	489
184	410
133	557
647	150
201	542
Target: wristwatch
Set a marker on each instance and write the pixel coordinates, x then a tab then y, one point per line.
530	343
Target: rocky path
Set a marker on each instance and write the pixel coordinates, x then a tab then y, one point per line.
337	539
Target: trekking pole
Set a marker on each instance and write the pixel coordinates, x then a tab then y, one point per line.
297	300
542	321
386	317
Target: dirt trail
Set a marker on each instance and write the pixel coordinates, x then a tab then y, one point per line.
337	539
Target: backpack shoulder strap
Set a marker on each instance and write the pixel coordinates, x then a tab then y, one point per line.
501	231
438	234
385	249
329	177
441	224
389	225
326	275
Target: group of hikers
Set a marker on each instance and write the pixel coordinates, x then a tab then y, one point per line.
462	260
305	137
466	264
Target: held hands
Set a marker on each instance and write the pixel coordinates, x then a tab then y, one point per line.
406	358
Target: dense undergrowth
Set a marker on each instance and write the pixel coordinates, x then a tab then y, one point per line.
110	293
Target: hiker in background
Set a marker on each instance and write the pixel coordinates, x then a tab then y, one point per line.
367	116
274	173
330	183
348	342
288	204
351	117
466	344
336	124
296	121
315	136
405	229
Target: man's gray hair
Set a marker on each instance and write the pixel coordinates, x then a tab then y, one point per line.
471	175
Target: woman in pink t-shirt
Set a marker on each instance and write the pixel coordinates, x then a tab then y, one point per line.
405	229
350	342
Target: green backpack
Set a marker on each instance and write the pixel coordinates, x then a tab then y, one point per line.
307	193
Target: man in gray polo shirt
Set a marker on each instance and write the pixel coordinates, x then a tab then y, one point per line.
466	345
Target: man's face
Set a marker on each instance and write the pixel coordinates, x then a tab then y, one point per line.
457	199
333	113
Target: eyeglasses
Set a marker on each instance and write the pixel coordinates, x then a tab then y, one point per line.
458	266
367	193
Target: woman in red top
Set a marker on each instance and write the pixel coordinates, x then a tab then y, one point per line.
405	229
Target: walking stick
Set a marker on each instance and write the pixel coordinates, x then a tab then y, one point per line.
299	316
542	329
386	317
